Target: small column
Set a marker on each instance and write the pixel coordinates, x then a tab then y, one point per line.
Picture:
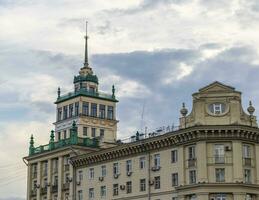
60	177
257	164
29	181
181	169
38	180
49	179
202	175
237	161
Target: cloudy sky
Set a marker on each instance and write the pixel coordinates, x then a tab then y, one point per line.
156	52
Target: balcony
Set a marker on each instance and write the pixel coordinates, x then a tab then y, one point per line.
66	186
44	190
33	192
192	162
247	162
218	160
54	188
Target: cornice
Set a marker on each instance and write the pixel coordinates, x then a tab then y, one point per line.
175	138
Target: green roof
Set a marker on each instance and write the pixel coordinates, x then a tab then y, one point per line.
88	77
86	93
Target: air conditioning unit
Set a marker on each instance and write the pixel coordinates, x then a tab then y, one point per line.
122	187
101	178
129	173
78	183
228	148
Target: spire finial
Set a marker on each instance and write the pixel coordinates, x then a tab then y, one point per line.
86	64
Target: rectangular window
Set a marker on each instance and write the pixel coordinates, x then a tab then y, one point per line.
91	173
85	108
191	152
59	135
157	182
157	160
70	113
93	132
175	179
45	168
102	111
65	134
142	162
192	176
101	132
220	175
115	189
110	112
103	191
55	180
80	195
128	187
246	151
91	193
93	109
115	168
219	153
80	175
128	166
76	108
174	156
85	130
65	112
103	171
142	185
247	174
59	114
55	165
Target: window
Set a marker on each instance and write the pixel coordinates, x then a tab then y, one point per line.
217	108
103	171
45	168
93	109
55	180
193	197
110	112
85	108
174	156
247	174
191	152
192	176
221	197
80	195
101	132
142	185
66	196
157	182
128	166
220	175
174	198
91	173
76	108
65	134
103	191
45	183
80	175
93	132
248	197
91	193
102	111
219	153
91	89
128	187
70	113
65	112
175	179
115	168
246	151
115	189
59	114
34	186
59	135
142	162
157	160
85	129
55	165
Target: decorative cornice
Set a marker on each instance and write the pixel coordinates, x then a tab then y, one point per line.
175	138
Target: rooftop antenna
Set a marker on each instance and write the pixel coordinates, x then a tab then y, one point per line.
86	64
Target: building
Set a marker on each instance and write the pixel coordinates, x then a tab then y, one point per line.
213	155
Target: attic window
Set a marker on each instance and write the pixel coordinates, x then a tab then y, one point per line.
217	108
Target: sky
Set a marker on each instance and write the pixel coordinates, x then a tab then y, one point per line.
156	52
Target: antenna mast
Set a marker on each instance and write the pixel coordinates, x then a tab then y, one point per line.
86	64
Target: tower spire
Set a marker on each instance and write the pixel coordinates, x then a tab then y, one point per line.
86	64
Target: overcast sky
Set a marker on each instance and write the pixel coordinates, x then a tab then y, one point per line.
156	52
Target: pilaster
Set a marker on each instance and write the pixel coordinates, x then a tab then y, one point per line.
181	169
60	177
237	161
202	174
29	181
38	179
257	164
49	179
239	196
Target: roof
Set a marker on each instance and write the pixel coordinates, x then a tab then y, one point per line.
217	86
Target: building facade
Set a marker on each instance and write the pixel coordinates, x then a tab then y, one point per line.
213	155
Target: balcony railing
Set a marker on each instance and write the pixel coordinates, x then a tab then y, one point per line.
33	192
66	186
54	188
217	160
192	162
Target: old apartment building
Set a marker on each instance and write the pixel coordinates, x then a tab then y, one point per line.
213	155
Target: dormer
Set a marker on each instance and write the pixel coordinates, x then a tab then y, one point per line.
217	104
